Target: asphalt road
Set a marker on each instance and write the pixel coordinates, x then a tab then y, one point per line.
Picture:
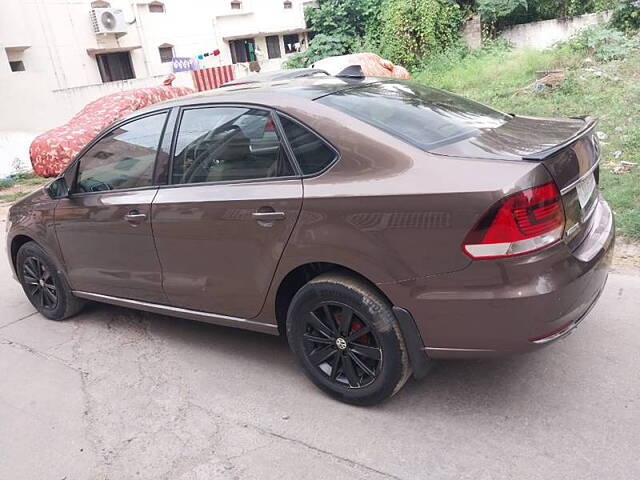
119	394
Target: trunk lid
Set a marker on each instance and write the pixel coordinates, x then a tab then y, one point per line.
568	149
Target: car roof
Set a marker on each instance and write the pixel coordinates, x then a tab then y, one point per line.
277	75
267	93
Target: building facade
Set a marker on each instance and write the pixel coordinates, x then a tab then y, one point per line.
56	55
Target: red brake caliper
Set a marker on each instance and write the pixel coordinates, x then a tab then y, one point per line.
355	326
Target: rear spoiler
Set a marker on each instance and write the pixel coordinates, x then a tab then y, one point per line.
590	124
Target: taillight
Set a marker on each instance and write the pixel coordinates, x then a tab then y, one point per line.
520	223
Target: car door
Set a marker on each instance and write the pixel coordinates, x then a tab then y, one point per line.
222	223
103	226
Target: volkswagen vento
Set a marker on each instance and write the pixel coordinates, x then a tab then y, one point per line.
377	223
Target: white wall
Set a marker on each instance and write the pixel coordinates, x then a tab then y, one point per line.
542	35
58	35
27	106
54	37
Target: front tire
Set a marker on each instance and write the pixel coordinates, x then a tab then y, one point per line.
44	284
347	340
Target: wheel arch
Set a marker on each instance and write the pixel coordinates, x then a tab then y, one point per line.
17	242
301	275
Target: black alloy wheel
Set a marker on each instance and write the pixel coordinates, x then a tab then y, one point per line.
45	284
341	345
39	284
346	338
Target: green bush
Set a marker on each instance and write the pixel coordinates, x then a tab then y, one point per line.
602	43
347	19
494	10
322	46
341	26
547	9
411	30
626	15
498	14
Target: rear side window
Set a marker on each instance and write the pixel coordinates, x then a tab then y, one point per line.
311	152
218	144
124	158
425	117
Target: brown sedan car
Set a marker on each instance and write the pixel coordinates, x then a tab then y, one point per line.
378	224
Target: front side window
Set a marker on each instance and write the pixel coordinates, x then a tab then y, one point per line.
311	152
220	144
425	117
124	158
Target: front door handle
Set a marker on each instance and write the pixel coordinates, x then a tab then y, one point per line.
134	216
268	216
265	216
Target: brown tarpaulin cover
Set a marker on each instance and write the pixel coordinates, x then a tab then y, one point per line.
372	65
52	151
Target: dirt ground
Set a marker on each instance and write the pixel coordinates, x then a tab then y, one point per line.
627	257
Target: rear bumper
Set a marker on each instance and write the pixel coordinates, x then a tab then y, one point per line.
513	305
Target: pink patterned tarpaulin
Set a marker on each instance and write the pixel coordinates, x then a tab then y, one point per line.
52	151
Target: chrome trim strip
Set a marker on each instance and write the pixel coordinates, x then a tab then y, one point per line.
592	210
572	326
557	335
573	185
470	350
199	316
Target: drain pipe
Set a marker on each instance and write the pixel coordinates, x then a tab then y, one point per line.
141	36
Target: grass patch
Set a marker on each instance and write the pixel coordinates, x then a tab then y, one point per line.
12	197
17	186
606	85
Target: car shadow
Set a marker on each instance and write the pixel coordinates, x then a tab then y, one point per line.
178	333
452	387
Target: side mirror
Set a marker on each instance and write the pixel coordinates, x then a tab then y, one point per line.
61	186
58	188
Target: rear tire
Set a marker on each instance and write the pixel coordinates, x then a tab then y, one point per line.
44	283
347	340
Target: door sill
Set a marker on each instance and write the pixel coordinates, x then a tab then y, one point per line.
196	315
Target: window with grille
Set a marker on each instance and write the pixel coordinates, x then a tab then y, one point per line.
17	66
156	7
291	43
166	54
273	46
115	66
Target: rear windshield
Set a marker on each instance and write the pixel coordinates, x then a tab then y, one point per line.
425	117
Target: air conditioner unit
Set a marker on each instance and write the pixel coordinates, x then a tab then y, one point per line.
108	20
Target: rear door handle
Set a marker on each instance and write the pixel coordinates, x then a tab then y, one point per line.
134	216
268	216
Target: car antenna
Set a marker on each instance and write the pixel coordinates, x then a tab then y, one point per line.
352	71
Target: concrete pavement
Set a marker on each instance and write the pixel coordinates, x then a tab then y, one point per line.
120	394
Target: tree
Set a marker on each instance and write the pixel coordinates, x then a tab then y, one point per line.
322	46
494	10
413	29
346	19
